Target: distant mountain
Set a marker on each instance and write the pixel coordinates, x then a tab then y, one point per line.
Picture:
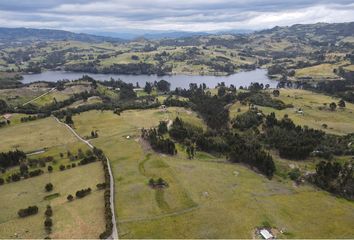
157	35
30	34
327	32
149	35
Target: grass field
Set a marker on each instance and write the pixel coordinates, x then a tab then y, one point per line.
19	96
39	134
319	71
339	121
77	219
60	95
207	197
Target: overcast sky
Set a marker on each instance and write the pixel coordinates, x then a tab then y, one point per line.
175	15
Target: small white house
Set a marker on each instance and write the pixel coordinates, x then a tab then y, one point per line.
266	234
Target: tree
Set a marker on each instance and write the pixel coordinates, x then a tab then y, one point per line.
31	210
62	167
162	128
276	93
163	86
333	106
48	223
69	120
49	187
80	154
23	168
148	88
2	181
70	197
341	103
48	212
50	168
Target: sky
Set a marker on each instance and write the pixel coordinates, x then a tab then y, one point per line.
170	15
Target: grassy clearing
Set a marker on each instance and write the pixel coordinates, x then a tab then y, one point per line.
55	153
206	197
78	219
39	134
19	96
319	71
339	121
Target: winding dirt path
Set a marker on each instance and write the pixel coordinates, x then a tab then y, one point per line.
114	231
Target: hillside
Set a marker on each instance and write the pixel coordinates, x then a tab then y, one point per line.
31	34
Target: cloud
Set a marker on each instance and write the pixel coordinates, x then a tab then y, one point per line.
182	15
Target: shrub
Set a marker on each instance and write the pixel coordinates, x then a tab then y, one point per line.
62	167
31	210
294	174
2	181
83	192
101	186
49	187
70	197
50	168
49	211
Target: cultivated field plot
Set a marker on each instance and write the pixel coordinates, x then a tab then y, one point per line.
19	96
35	135
315	112
206	197
60	95
319	71
81	218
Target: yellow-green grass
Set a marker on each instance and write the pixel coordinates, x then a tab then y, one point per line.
82	218
34	135
15	118
60	95
206	197
18	96
90	100
107	123
319	71
339	121
49	98
238	200
57	159
349	67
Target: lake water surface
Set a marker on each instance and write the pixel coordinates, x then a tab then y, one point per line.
238	79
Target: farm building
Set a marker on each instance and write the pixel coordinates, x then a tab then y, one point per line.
266	234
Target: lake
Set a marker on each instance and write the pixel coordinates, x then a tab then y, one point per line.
238	79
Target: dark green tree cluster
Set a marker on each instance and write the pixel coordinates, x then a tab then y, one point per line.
250	153
336	178
293	142
83	192
247	120
158	183
25	212
11	158
158	142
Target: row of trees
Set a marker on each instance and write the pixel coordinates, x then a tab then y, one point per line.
335	177
158	142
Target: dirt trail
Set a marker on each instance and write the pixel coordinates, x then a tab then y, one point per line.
115	231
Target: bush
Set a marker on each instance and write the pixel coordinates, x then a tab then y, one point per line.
48	223
49	187
2	181
31	210
62	167
101	186
294	174
83	192
70	197
49	211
